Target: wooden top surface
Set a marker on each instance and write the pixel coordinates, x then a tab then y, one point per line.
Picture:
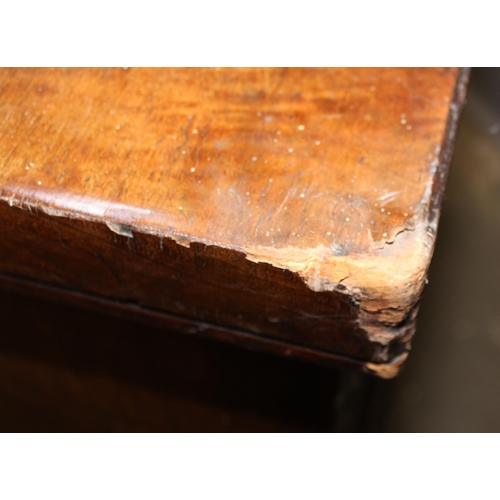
326	172
238	157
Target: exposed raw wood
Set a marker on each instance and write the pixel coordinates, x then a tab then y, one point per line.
295	204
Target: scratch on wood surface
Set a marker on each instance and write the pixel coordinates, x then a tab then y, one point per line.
264	194
291	191
186	136
261	218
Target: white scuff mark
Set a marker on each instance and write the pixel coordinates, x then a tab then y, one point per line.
388	197
370	238
78	207
120	229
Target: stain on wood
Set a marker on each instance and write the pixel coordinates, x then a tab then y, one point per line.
299	205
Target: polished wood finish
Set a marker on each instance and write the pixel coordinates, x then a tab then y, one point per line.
298	206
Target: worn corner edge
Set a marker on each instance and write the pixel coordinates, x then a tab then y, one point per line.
387	370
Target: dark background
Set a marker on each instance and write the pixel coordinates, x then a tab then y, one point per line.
66	369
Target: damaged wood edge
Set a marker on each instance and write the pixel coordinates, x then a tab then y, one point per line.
385	284
120	229
390	275
430	212
387	370
430	209
369	281
161	319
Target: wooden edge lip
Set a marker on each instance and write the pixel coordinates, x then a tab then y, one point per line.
135	312
457	104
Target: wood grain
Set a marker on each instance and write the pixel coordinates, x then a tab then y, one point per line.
296	204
